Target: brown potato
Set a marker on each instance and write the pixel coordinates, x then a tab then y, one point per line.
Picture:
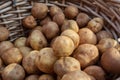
50	30
54	10
63	46
20	42
96	24
37	40
29	62
4	33
25	50
110	61
86	54
1	63
106	43
13	71
45	60
96	71
12	55
65	65
5	45
29	22
46	77
32	77
87	36
71	12
82	19
103	34
76	75
45	20
73	35
39	10
70	24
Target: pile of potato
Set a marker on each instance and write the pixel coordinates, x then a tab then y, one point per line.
63	44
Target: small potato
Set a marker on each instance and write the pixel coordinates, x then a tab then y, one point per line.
103	34
29	22
54	10
106	43
87	36
12	55
4	33
45	60
96	71
37	40
20	42
45	20
71	12
73	35
13	71
59	18
86	54
39	10
5	45
63	46
29	62
50	30
25	50
65	65
82	19
70	24
76	75
96	24
32	77
46	77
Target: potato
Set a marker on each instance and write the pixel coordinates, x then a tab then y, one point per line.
86	54
82	19
103	34
4	33
25	51
76	75
63	46
45	20
29	22
73	35
70	24
58	78
1	63
92	78
29	62
13	71
65	65
32	77
54	10
110	61
87	36
38	28
37	40
96	71
46	77
39	10
71	12
96	24
12	55
20	42
5	45
45	60
50	30
106	43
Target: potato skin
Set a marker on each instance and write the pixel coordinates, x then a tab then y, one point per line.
63	46
1	63
12	55
32	77
45	20
65	65
54	10
46	77
13	71
86	54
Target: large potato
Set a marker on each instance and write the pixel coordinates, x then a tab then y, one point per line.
32	77
13	71
37	40
86	54
65	65
45	60
63	46
46	77
12	55
29	62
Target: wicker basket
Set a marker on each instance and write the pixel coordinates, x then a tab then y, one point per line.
13	11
